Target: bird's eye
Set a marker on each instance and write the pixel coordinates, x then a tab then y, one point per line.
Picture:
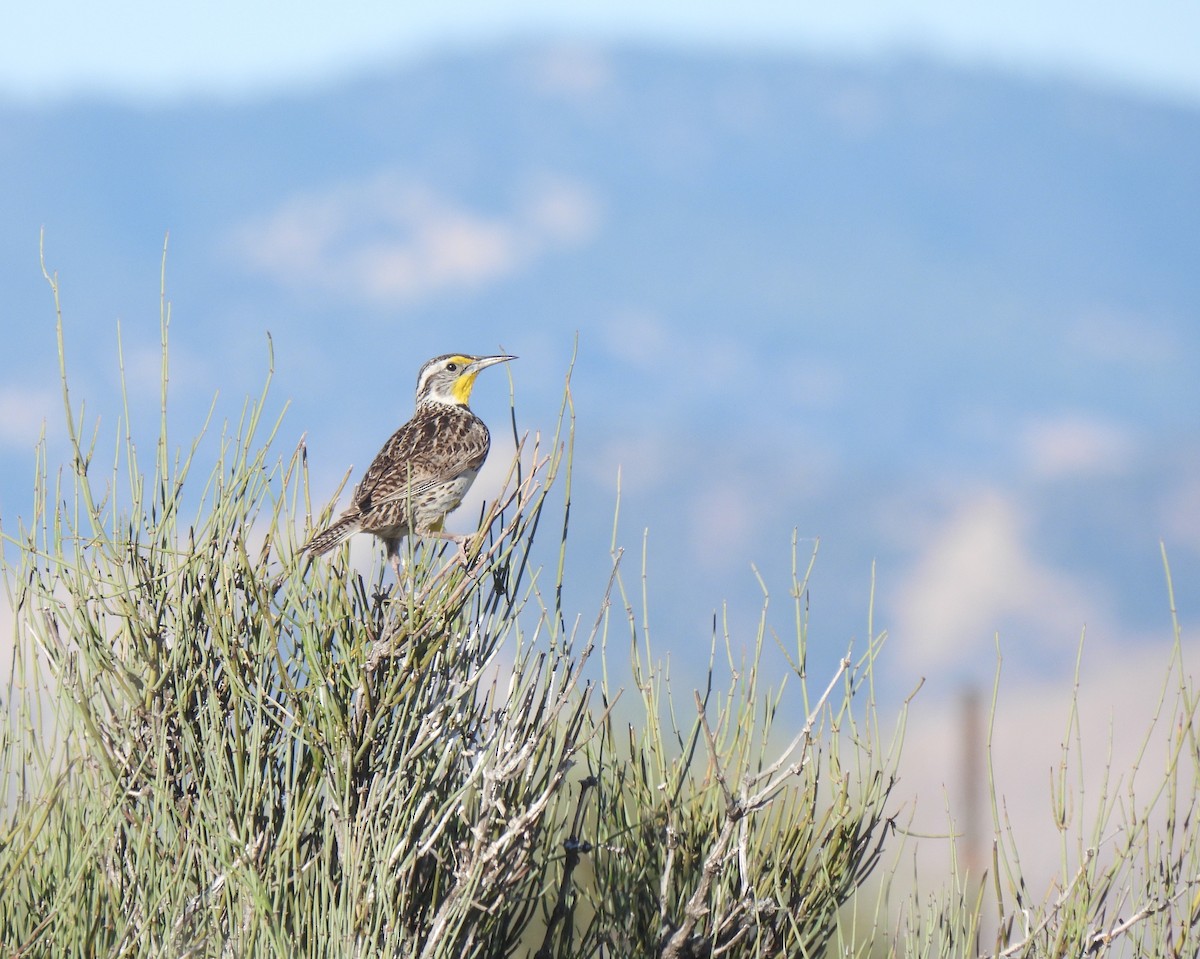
451	367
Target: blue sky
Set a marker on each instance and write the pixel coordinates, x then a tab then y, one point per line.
147	49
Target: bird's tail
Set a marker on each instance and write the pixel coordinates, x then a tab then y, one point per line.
331	536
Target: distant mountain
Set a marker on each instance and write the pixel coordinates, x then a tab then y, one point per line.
948	321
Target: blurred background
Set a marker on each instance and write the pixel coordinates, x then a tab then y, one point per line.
919	281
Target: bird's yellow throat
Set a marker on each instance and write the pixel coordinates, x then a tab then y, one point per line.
463	386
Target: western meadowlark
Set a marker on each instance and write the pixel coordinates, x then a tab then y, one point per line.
425	469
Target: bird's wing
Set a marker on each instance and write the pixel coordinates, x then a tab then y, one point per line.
424	452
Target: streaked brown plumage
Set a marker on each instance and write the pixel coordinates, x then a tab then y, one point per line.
425	468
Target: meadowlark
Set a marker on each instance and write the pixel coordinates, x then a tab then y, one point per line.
425	469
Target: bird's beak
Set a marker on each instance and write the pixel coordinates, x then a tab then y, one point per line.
485	361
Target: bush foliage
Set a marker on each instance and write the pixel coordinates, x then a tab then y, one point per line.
212	748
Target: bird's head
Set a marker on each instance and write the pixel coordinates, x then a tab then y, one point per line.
449	379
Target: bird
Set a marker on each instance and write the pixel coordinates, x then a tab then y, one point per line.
424	470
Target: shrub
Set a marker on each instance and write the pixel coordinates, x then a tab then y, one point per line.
213	748
210	747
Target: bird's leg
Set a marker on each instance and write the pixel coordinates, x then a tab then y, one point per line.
462	550
456	538
397	561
